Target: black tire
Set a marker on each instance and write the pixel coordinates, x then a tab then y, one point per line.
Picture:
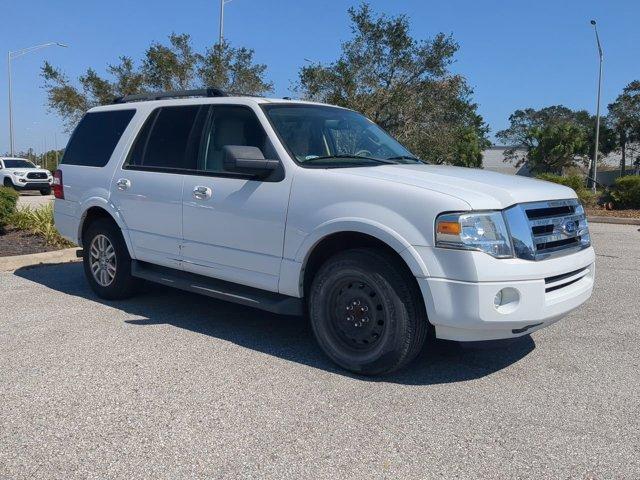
387	325
8	183
122	285
45	191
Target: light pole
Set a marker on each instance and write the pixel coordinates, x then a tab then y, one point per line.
11	56
222	4
594	172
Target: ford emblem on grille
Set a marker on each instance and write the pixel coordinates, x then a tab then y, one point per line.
569	227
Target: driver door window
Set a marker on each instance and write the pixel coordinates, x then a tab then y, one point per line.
231	125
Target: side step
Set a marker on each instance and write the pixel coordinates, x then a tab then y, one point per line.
231	292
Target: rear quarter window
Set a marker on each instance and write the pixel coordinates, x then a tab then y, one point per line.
95	138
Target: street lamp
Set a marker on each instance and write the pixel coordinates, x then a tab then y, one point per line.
11	56
597	144
222	4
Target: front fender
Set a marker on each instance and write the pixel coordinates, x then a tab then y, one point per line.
293	269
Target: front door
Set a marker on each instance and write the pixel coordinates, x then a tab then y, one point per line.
233	225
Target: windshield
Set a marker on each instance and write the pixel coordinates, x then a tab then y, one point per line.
326	136
16	163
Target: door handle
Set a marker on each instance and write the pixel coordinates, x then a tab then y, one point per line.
202	193
123	184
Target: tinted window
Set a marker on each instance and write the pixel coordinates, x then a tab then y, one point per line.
18	164
336	135
170	138
231	125
95	138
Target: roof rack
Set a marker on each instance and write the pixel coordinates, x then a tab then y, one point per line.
202	92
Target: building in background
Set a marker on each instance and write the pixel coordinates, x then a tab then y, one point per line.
493	159
608	167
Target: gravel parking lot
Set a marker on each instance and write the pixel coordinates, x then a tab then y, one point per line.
172	385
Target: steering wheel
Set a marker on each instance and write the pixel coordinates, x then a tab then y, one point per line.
363	153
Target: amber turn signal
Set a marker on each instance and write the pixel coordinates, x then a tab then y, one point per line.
449	228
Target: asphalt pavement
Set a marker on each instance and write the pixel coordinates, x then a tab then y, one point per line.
34	199
172	385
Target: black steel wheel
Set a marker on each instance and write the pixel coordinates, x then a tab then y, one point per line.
358	319
366	312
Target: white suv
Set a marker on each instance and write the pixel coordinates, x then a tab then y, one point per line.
23	175
297	207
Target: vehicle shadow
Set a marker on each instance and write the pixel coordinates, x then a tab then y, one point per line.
289	338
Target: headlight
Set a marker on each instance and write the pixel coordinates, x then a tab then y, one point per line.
583	227
19	174
483	231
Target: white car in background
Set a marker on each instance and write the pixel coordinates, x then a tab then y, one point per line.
298	207
21	174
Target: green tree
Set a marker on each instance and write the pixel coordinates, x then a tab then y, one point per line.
557	145
405	86
624	116
536	130
233	70
172	66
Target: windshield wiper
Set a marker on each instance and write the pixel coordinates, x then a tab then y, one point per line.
331	157
406	157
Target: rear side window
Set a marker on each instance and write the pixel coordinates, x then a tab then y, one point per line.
169	139
95	138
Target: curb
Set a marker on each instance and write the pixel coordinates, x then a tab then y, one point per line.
617	220
8	264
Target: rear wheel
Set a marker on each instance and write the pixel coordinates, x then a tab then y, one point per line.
107	264
366	312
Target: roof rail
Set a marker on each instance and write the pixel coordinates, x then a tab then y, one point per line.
202	92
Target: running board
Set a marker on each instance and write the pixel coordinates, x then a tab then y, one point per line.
219	289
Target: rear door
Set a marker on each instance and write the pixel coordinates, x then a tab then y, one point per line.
148	189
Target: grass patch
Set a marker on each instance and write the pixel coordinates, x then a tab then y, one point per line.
39	221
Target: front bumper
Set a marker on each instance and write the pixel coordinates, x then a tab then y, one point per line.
465	311
32	184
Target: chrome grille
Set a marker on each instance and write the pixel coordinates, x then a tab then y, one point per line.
543	229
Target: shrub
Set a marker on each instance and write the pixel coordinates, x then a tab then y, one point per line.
40	222
576	182
626	192
8	201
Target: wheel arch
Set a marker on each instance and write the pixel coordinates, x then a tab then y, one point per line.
338	236
101	209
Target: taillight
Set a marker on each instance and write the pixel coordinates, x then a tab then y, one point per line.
56	186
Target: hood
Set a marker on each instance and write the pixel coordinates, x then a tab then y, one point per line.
27	170
481	189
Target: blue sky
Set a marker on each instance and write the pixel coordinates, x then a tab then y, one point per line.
514	53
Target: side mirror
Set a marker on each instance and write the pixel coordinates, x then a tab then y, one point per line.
249	160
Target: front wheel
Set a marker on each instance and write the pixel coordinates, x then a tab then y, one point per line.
366	312
45	191
107	264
